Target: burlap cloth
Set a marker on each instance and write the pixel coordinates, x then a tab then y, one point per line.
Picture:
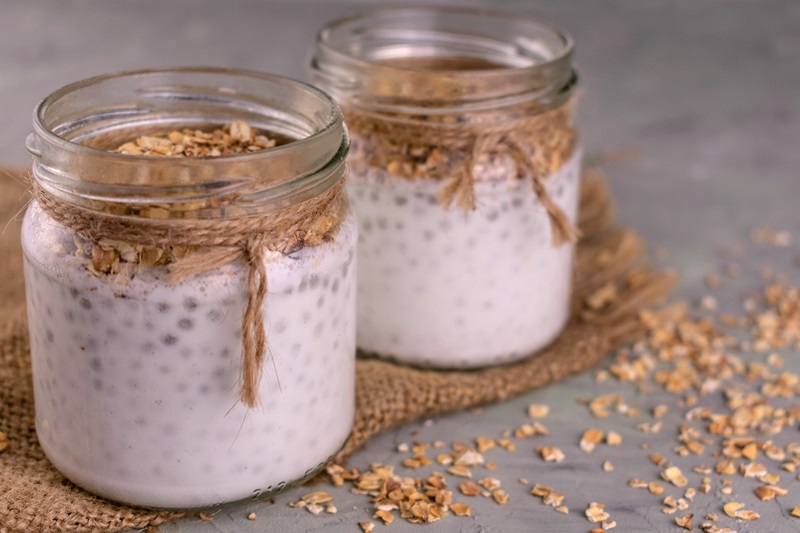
34	497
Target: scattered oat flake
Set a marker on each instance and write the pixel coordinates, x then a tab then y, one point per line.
650	428
444	459
735	510
563	509
384	515
613	438
468	458
366	527
769	492
753	470
489	483
550	453
685	522
411	463
608	524
538	411
500	496
460	509
596	512
590	439
608	466
709	303
315	508
553	499
674	475
468	488
459	470
795	511
507	444
484	444
655	488
403	447
316	497
204	517
747	515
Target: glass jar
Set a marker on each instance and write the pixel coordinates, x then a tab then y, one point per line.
464	173
137	377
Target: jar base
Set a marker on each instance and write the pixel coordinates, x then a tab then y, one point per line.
147	498
428	361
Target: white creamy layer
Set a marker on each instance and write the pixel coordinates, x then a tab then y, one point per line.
136	384
455	289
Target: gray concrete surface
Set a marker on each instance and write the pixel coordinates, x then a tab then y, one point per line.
708	92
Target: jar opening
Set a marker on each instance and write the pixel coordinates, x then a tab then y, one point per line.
443	63
435	59
76	127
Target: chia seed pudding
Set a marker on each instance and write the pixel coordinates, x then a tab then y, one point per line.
459	289
136	380
465	167
137	375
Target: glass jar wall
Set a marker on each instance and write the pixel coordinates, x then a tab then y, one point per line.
137	376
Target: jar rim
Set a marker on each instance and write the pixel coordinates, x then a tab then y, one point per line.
141	102
535	58
47	133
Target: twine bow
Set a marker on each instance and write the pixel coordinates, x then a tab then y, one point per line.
216	243
538	144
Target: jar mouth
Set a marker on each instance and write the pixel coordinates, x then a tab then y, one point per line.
438	58
76	129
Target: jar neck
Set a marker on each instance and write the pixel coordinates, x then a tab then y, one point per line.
77	128
426	61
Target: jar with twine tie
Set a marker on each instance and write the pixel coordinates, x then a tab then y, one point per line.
465	177
190	276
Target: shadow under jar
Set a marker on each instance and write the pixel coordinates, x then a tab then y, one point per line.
464	173
143	274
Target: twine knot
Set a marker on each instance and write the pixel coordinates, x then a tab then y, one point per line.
538	143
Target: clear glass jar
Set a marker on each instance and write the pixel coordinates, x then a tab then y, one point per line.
454	273
136	377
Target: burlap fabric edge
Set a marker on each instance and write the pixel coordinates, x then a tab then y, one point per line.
34	497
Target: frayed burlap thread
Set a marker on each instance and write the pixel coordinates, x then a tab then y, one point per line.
216	243
34	497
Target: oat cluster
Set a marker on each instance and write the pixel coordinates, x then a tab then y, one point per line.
437	146
235	138
421	500
113	256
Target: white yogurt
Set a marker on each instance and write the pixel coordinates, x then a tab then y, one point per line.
136	384
455	289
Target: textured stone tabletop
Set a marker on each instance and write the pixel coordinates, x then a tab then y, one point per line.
706	93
